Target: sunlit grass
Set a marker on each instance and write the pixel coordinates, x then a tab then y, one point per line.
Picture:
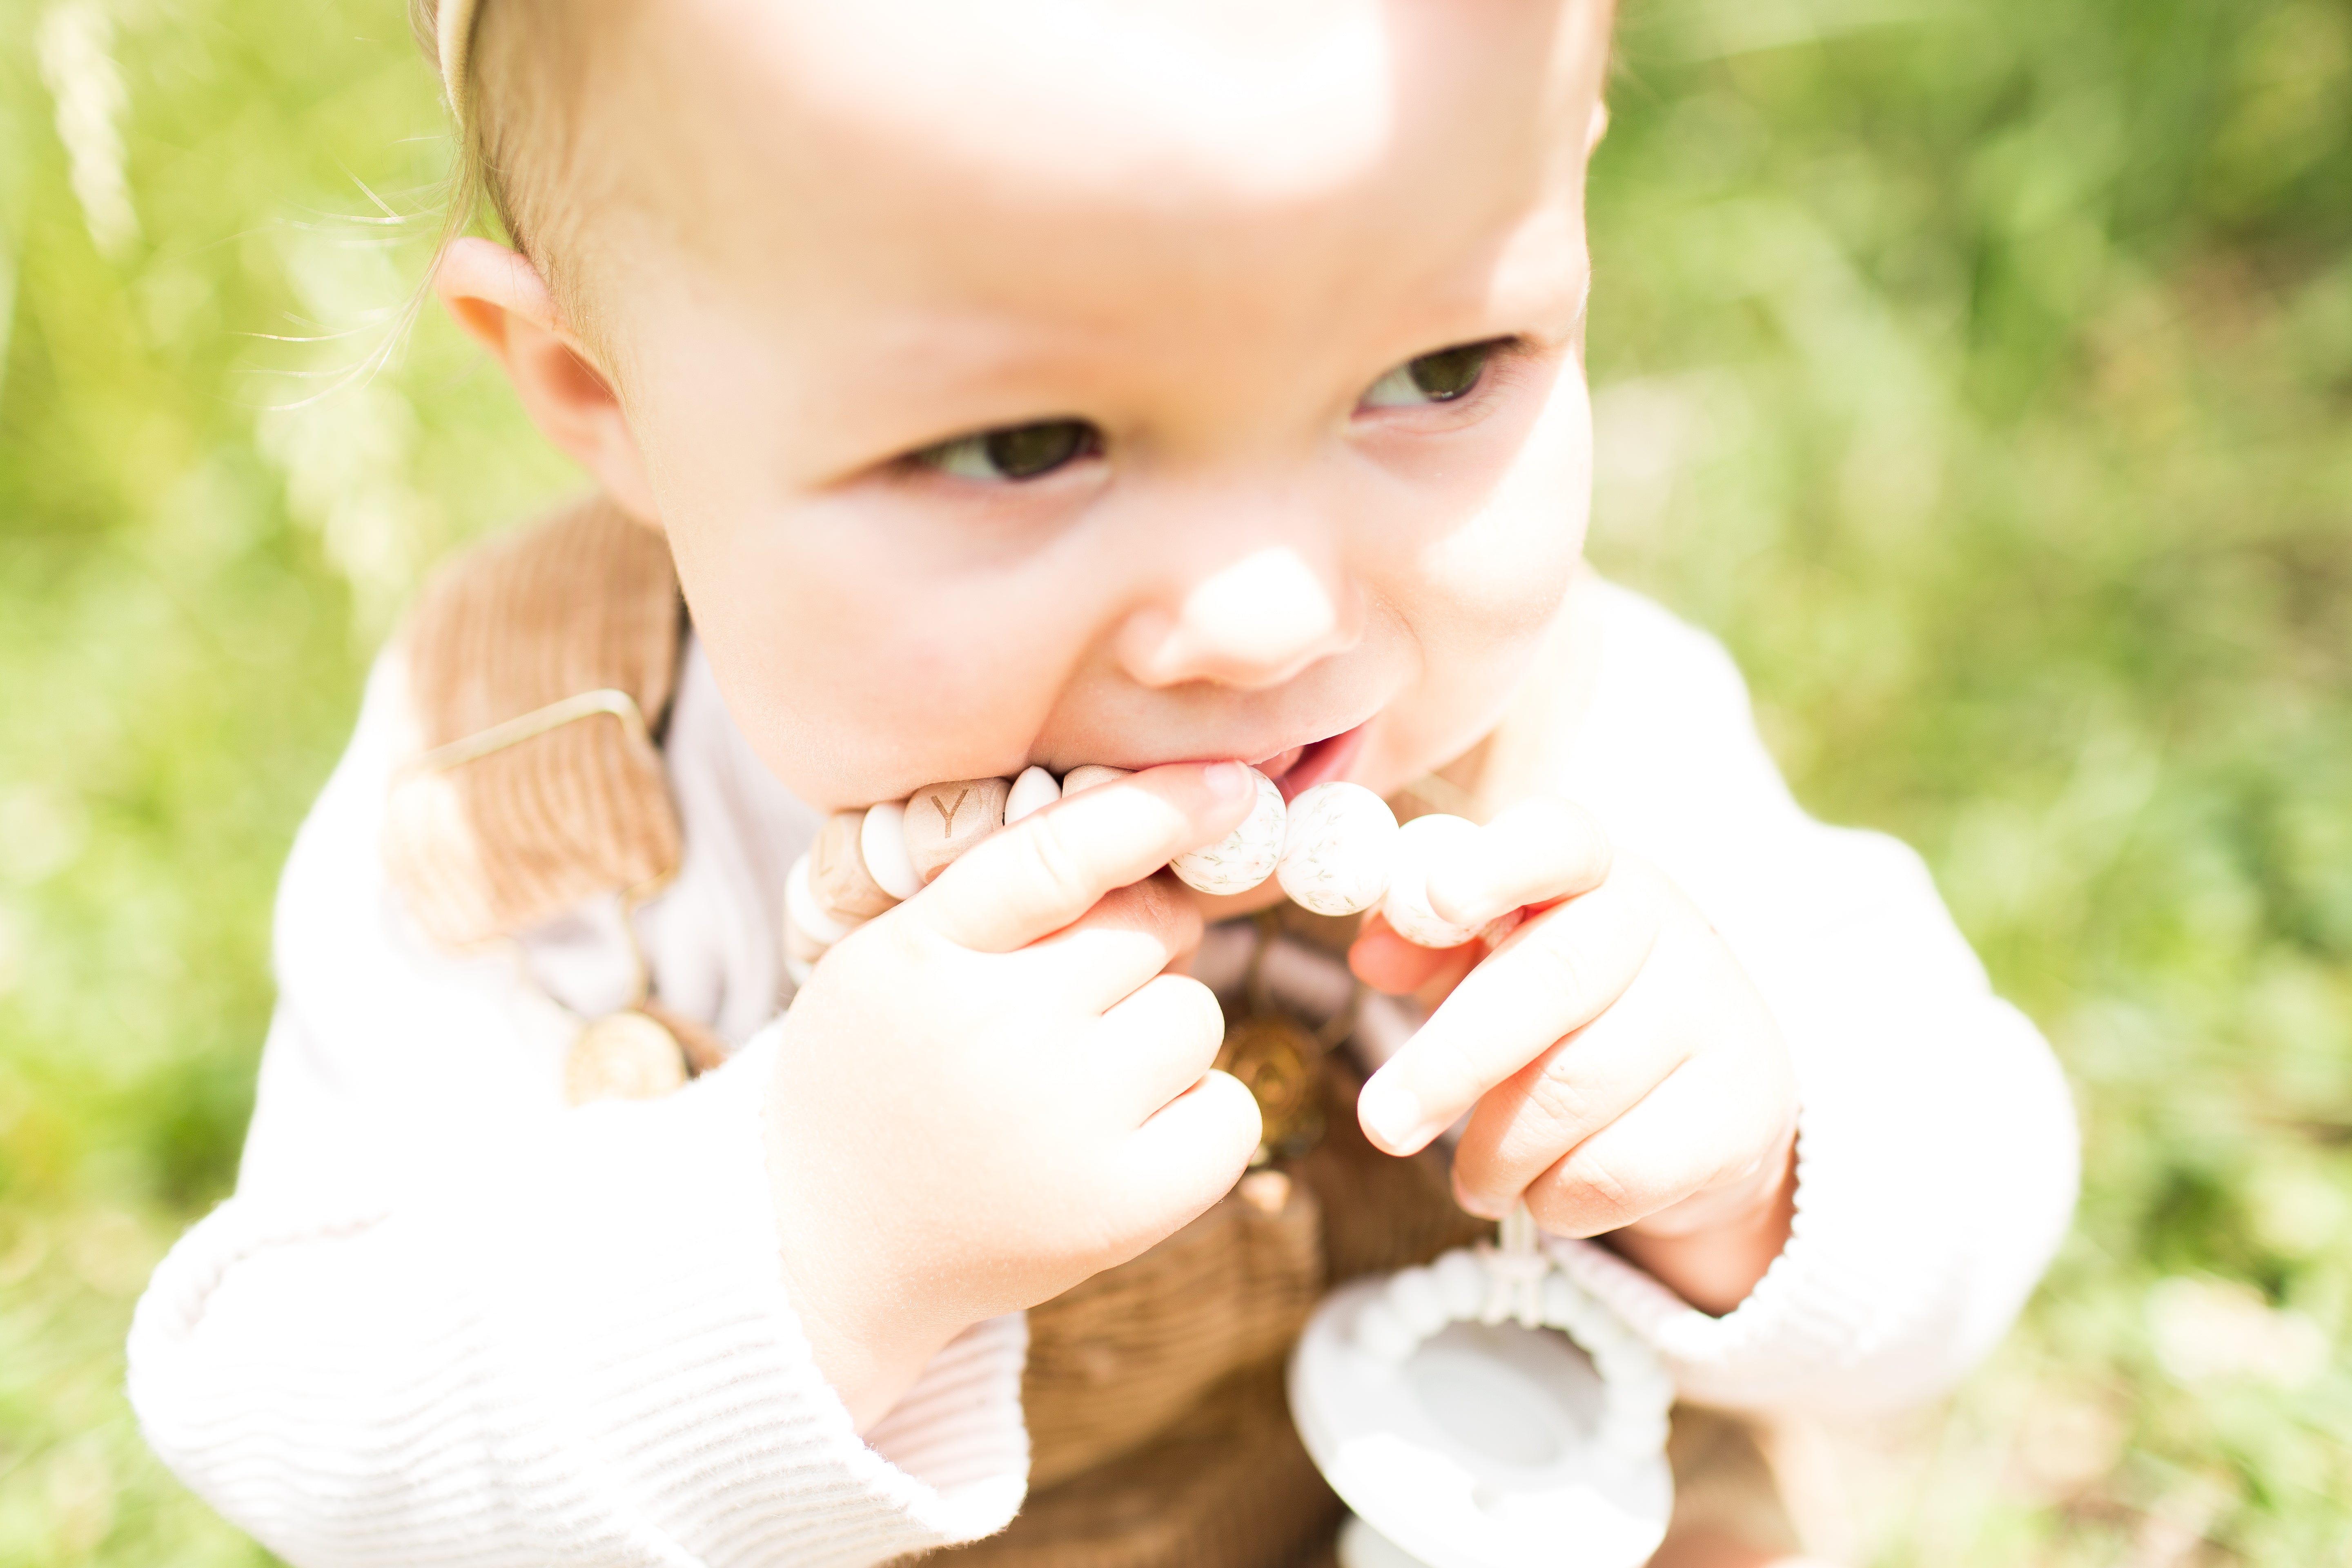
1983	378
1982	373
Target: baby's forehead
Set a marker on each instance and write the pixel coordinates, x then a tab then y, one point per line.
1060	136
1271	100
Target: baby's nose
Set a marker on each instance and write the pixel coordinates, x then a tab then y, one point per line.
1254	623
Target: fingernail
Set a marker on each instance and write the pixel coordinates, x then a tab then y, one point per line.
1461	891
1228	780
1389	1112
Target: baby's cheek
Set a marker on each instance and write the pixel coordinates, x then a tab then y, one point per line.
1486	596
1506	568
893	705
854	677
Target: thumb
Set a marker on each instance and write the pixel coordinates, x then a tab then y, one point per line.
1031	879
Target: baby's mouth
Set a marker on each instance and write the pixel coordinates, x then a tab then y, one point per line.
1301	768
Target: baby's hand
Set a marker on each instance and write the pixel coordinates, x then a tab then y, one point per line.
994	1090
1624	1073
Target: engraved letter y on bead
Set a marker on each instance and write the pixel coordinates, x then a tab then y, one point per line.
948	812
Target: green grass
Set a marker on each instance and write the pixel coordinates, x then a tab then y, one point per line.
1982	372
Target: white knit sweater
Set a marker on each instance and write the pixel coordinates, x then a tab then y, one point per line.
446	1320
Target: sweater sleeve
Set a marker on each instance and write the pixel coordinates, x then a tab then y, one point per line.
447	1320
1937	1146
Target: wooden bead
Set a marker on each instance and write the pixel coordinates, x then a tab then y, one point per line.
844	888
1035	790
1337	846
882	843
1243	858
1086	776
801	909
1419	843
801	952
943	820
627	1055
800	948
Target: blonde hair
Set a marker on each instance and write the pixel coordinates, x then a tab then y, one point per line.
513	81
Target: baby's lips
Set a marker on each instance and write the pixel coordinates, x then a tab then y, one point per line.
1497	931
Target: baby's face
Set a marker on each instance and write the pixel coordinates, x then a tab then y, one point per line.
1053	382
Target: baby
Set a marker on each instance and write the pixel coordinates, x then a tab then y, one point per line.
1170	386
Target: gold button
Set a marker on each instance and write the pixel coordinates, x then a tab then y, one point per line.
627	1055
1275	1058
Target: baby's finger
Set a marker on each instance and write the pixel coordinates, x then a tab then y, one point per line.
1131	934
1387	963
1556	1102
1540	850
1186	1157
1157	1043
1555	973
1034	877
1683	1136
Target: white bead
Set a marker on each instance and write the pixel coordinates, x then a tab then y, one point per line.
1604	1335
803	910
1634	1439
1243	858
1419	844
1035	790
1650	1389
1564	1306
1461	1280
1078	779
1381	1334
882	841
1414	1297
1336	848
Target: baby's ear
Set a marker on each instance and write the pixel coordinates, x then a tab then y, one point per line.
501	300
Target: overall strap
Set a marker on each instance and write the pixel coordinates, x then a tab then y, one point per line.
540	667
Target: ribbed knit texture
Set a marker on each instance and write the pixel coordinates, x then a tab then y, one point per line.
580	1351
1936	1153
445	1321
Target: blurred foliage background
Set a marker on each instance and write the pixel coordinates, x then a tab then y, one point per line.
1982	372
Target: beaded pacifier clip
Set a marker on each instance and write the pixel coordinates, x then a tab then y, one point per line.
1336	850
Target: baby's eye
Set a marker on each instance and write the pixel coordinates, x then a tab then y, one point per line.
1014	452
1439	377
